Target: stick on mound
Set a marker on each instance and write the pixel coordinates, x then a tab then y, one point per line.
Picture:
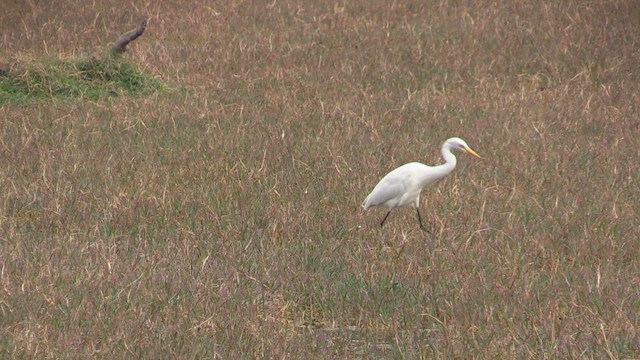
120	45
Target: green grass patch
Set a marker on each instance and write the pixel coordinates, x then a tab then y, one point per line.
90	78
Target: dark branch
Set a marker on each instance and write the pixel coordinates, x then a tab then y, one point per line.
120	45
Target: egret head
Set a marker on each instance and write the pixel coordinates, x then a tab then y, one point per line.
459	144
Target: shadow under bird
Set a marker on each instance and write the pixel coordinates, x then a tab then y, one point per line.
402	186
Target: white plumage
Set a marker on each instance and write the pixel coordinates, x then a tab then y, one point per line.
402	186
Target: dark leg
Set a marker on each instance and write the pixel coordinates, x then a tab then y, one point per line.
385	218
420	221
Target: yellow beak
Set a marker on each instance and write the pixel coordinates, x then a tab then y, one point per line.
470	151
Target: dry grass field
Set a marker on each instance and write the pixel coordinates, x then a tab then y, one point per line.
220	217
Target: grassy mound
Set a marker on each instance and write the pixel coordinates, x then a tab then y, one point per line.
91	78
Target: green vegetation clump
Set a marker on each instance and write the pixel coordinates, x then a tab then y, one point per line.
90	78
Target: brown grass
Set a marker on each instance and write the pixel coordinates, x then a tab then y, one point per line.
223	220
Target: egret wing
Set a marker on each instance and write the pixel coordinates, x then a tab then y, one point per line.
388	192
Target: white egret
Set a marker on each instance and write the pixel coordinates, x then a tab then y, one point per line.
402	186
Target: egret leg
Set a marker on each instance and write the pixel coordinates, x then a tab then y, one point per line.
420	221
385	218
